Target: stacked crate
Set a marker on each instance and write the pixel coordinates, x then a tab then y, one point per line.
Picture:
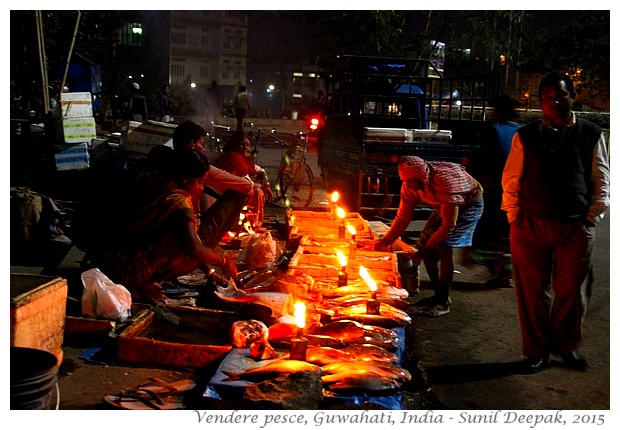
75	129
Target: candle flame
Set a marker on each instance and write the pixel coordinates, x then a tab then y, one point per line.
366	277
340	212
335	196
342	258
351	229
300	314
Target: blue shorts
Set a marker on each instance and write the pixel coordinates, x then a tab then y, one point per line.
462	234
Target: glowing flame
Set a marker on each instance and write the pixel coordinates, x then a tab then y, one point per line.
366	277
351	229
335	197
300	314
340	212
342	258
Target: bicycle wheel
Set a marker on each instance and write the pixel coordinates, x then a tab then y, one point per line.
295	183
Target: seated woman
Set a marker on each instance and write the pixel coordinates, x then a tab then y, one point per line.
236	159
144	230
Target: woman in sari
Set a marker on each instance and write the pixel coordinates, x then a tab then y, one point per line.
151	231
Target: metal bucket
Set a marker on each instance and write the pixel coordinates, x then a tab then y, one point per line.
34	379
409	274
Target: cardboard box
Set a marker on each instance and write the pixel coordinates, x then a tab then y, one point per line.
76	105
38	311
141	137
75	130
69	157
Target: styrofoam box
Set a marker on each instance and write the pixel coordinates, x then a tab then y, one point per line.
142	137
76	105
75	130
69	157
386	134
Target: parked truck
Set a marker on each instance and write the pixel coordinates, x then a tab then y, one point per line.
378	109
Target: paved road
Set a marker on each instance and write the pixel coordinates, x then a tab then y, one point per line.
470	357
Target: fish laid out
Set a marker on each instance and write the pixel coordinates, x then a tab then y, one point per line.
379	368
273	370
371	352
377	339
279	303
388	299
322	355
359	380
344	330
313	340
328	289
376	320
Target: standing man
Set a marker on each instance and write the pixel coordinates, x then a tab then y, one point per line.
241	104
214	101
166	105
457	202
138	110
556	189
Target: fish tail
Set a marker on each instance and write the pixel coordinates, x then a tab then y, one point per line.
232	376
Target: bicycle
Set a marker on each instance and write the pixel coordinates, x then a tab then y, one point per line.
295	180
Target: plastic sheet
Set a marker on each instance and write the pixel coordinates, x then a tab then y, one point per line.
239	360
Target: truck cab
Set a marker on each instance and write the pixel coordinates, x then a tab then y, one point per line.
379	109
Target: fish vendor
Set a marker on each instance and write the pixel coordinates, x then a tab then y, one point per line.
141	228
457	202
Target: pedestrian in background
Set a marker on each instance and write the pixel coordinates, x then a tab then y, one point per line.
241	104
457	202
166	105
138	110
213	103
491	242
556	189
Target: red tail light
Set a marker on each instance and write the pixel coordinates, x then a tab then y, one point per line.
314	124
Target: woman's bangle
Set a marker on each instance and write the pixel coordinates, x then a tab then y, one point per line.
223	261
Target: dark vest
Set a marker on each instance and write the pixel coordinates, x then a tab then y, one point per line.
556	181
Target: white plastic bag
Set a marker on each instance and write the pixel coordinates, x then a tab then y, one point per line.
261	251
102	298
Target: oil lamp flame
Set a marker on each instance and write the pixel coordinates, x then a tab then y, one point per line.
335	196
300	315
366	277
340	212
352	231
342	259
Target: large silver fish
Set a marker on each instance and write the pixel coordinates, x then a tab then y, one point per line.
345	330
313	340
377	320
381	368
374	338
359	380
279	303
322	355
273	370
371	352
359	288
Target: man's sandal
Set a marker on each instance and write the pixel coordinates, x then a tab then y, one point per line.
434	311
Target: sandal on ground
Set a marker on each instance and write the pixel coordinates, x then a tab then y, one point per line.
153	394
429	301
434	311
